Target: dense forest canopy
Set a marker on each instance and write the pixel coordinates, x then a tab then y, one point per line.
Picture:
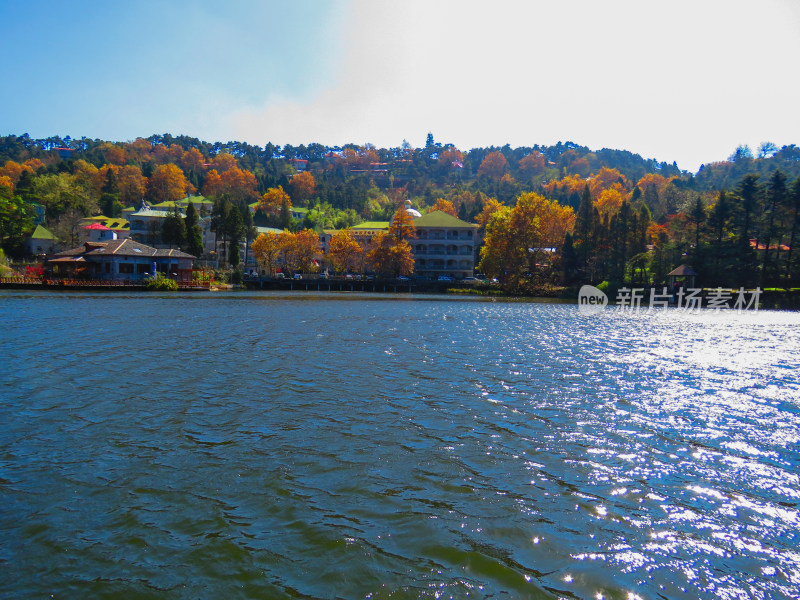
624	216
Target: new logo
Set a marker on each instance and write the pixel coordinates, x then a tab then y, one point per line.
591	300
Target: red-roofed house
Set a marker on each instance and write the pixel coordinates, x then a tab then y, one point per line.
97	232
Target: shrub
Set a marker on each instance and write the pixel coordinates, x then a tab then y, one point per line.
162	284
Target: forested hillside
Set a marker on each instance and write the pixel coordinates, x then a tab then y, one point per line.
628	218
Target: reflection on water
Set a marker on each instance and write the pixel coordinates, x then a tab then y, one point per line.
302	445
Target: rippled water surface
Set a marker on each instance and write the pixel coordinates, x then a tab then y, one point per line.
362	446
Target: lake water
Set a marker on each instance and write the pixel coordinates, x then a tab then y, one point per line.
267	445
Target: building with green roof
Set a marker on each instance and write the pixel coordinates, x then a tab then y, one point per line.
42	241
444	247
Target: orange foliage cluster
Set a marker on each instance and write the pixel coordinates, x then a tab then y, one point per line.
517	237
658	181
450	156
604	179
359	159
608	187
302	186
532	165
273	200
298	251
345	252
493	166
168	183
235	183
13	170
445	206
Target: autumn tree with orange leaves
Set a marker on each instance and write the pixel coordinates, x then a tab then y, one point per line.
531	165
300	250
302	187
520	240
389	256
131	184
13	170
168	184
267	249
494	166
445	206
234	184
402	226
491	206
344	251
390	252
273	201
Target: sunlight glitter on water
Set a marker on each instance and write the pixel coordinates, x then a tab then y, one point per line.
389	448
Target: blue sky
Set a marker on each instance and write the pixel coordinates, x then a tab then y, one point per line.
679	80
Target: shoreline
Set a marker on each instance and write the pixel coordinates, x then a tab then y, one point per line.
770	299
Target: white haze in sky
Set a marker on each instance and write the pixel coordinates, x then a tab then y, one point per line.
675	80
683	81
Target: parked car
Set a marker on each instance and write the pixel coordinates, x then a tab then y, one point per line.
445	278
298	275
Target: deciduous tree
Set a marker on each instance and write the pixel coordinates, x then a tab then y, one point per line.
531	165
273	200
224	161
131	184
389	255
345	252
267	248
609	202
445	206
402	226
493	166
301	250
13	170
302	187
234	184
16	220
168	184
520	238
59	193
491	206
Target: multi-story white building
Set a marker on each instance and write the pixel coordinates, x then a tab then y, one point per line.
444	246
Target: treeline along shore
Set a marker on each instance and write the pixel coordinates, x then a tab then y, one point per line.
544	217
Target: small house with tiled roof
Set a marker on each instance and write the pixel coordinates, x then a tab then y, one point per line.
42	241
119	226
97	232
125	260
